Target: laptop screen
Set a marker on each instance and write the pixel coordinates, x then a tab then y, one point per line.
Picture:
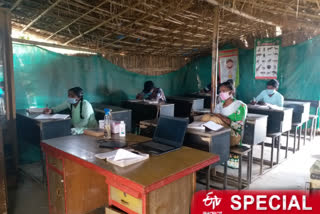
170	131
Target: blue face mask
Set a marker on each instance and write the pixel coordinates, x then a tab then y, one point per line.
1	92
72	100
271	91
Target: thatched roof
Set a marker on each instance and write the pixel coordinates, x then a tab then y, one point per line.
161	27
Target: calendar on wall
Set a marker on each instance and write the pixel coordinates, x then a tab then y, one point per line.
266	58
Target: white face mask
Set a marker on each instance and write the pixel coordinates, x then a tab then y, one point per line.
271	91
72	100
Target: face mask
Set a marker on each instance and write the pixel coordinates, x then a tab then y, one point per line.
225	95
271	91
72	100
1	92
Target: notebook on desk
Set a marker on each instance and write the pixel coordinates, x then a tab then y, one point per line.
168	136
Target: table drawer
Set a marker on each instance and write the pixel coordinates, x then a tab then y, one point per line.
55	162
132	203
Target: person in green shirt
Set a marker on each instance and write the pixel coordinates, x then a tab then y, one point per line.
82	114
230	113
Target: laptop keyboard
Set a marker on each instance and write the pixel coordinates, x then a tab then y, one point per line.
158	146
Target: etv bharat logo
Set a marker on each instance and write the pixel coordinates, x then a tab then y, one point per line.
212	200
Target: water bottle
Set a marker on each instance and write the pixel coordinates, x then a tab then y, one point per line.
107	123
122	129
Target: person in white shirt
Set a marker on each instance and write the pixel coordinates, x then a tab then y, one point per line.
270	96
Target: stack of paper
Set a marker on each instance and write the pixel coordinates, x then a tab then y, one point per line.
196	125
52	117
35	110
203	125
212	126
122	157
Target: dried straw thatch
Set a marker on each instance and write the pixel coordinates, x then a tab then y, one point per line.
161	27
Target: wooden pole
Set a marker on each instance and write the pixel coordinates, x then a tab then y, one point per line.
215	48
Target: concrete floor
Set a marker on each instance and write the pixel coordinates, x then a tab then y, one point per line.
293	173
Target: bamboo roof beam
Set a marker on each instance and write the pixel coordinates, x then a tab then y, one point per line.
144	17
240	13
77	19
15	5
102	23
40	16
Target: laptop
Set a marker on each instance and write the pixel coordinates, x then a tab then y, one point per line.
168	136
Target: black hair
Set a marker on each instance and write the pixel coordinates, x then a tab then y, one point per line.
230	81
229	60
148	85
228	85
79	92
273	83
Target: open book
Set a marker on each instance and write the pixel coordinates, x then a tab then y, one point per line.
203	125
52	117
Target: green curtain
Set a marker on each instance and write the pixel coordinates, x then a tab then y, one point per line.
43	77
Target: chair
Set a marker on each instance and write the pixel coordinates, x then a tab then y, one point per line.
296	127
314	120
275	139
241	151
224	157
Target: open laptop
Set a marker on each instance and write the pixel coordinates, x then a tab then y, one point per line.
168	136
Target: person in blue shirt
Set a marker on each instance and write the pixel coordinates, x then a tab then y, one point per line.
270	96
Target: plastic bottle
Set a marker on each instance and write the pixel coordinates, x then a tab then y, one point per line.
122	129
107	123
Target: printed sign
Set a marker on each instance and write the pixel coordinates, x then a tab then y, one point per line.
228	65
266	58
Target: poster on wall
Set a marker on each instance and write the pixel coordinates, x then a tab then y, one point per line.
228	65
266	58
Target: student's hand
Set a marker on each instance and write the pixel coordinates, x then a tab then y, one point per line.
47	111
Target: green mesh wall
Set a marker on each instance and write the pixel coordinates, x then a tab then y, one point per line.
43	77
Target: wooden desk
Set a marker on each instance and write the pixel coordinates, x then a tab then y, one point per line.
118	113
33	131
301	110
184	106
144	111
255	129
78	182
205	96
278	120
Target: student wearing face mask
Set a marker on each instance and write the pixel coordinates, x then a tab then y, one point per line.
270	96
230	112
82	114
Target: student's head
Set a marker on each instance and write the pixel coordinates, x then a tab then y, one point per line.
229	63
272	86
148	86
75	95
226	90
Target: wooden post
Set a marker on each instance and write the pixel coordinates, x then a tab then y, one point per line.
8	123
215	48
